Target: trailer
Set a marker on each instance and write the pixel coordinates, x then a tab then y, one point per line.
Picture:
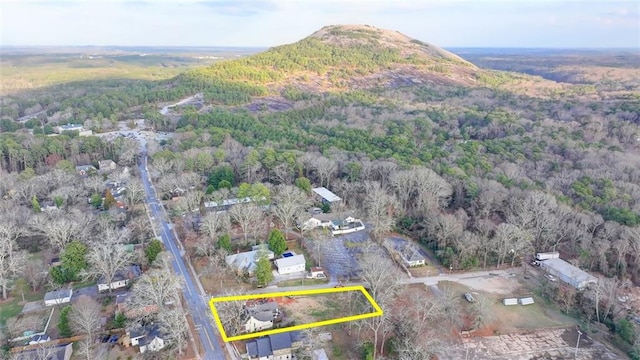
547	255
510	301
526	301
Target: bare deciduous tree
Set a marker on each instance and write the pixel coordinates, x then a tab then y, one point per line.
134	194
85	319
482	311
35	272
247	216
213	226
109	256
283	173
324	169
445	229
93	184
191	201
232	313
383	280
289	201
12	258
156	288
59	229
173	322
381	208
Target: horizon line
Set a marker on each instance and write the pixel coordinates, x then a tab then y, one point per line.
269	46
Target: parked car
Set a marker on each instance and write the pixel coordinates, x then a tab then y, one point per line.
113	338
551	278
535	263
105	338
469	297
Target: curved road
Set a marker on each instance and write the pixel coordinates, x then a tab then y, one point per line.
196	301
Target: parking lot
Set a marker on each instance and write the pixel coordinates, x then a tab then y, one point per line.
339	254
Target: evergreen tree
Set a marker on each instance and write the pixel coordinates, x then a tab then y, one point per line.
64	330
303	184
277	242
35	204
96	200
152	250
263	270
224	242
109	200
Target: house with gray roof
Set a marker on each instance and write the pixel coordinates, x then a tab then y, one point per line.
274	347
62	352
245	262
260	316
58	297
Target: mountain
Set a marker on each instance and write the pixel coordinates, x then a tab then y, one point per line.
338	57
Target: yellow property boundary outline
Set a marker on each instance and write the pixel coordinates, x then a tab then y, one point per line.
216	317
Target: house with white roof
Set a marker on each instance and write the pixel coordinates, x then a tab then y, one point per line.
290	264
326	196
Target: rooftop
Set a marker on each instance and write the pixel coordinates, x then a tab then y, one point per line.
131	272
245	261
332	216
264	346
326	194
58	294
569	270
290	261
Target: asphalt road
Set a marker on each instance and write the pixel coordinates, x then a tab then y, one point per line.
196	302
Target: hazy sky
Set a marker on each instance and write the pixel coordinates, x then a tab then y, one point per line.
447	23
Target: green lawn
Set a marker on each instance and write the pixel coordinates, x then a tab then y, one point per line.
13	307
302	282
9	309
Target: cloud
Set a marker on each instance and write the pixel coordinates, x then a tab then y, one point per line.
240	7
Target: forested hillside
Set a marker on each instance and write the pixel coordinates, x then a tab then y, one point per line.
471	160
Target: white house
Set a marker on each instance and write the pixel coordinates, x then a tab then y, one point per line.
324	220
411	257
58	297
259	322
148	339
291	264
39	339
121	279
70	127
246	262
326	196
260	316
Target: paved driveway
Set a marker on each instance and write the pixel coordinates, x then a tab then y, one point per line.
338	255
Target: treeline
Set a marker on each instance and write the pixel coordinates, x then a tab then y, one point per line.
19	152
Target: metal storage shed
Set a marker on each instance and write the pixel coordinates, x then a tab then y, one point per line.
568	273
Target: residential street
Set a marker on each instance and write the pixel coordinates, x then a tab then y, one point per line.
197	304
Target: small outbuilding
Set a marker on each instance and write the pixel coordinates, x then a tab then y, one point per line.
526	301
510	301
291	264
58	297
